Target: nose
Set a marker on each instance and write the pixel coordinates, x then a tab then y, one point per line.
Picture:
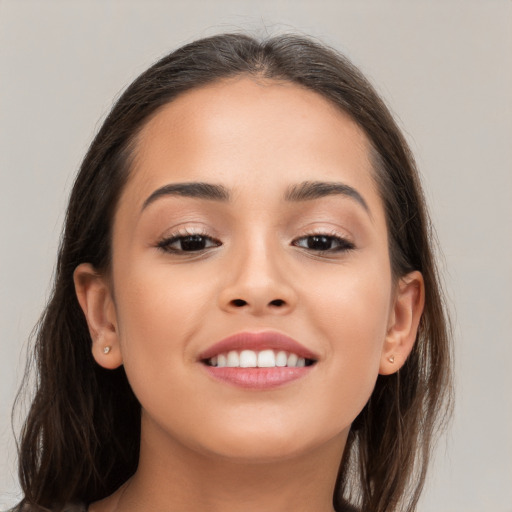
257	283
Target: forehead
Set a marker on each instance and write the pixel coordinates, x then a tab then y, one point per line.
246	132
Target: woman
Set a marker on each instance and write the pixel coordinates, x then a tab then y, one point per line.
246	312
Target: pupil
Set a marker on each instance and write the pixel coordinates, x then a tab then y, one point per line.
321	243
192	243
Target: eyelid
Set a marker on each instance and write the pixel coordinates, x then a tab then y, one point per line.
325	231
166	240
347	242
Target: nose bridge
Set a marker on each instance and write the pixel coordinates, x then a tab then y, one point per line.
256	279
259	264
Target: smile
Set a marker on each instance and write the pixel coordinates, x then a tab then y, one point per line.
258	360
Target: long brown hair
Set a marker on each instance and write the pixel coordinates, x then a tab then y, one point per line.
81	438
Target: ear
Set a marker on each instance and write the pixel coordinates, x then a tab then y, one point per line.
95	298
403	322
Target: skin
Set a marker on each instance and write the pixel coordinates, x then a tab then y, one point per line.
209	445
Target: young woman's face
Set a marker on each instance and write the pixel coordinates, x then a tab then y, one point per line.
283	250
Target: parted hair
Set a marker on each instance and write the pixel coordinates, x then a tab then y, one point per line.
80	440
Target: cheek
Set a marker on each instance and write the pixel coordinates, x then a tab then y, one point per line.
353	316
352	307
157	300
158	312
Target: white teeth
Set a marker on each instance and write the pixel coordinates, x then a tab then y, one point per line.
266	359
233	360
248	359
252	359
281	358
292	360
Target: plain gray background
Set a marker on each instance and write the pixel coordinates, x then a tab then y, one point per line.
444	67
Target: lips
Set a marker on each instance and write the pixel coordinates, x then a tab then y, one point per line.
258	360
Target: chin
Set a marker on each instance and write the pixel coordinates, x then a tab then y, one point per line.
261	451
258	445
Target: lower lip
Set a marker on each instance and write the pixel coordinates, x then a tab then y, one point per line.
258	378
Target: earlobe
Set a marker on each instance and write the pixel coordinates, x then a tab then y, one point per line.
95	298
403	322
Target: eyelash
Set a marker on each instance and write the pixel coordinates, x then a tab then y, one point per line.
343	245
180	236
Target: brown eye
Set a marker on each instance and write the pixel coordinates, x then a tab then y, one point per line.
324	243
193	243
188	243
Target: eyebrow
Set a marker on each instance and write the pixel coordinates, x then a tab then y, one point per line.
196	189
309	190
306	191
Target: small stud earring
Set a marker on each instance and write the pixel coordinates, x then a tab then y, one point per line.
107	349
391	359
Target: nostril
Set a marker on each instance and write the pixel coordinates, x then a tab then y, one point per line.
238	303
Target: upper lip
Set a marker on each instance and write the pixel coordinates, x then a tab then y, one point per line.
258	341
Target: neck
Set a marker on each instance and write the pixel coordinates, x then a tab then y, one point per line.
177	478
